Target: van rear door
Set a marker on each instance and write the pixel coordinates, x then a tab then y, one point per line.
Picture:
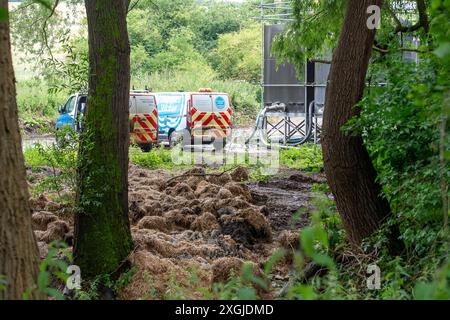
222	113
201	113
211	112
145	118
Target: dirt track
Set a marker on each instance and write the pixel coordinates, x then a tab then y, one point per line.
198	226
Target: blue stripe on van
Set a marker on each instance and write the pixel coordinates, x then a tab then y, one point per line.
174	119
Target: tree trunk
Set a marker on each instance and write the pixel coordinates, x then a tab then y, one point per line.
19	258
349	169
102	229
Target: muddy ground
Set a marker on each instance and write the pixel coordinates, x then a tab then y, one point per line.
192	229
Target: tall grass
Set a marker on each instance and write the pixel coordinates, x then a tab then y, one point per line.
34	98
38	108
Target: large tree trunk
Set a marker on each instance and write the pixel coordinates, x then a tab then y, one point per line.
19	258
102	233
349	169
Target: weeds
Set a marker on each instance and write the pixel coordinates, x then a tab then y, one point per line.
59	159
158	158
306	158
52	271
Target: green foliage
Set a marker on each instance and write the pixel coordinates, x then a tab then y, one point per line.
440	30
152	21
140	60
70	74
214	18
173	47
179	55
315	30
238	55
52	270
306	158
170	35
438	289
38	107
30	25
91	289
400	126
33	98
61	159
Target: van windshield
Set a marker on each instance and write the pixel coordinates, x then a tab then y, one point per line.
170	103
70	105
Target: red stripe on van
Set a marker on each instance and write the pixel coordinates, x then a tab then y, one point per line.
151	120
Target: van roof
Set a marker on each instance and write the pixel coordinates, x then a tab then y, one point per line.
134	93
190	92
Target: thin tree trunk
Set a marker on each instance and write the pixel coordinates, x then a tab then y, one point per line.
349	169
19	258
102	232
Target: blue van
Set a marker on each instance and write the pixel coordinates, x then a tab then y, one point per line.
70	113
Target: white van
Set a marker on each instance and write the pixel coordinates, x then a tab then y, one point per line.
204	116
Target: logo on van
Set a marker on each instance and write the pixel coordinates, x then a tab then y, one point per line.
220	103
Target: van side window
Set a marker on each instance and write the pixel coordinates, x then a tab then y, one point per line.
70	105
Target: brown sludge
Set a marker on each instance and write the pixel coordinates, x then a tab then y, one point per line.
198	224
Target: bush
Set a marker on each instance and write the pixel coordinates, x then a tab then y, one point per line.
400	125
238	55
61	159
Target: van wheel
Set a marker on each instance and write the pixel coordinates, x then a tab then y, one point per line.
146	148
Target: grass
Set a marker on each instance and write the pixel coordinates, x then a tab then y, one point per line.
158	158
307	158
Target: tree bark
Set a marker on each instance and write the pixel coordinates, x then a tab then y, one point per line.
102	231
348	167
19	258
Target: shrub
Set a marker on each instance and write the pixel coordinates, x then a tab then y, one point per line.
400	126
